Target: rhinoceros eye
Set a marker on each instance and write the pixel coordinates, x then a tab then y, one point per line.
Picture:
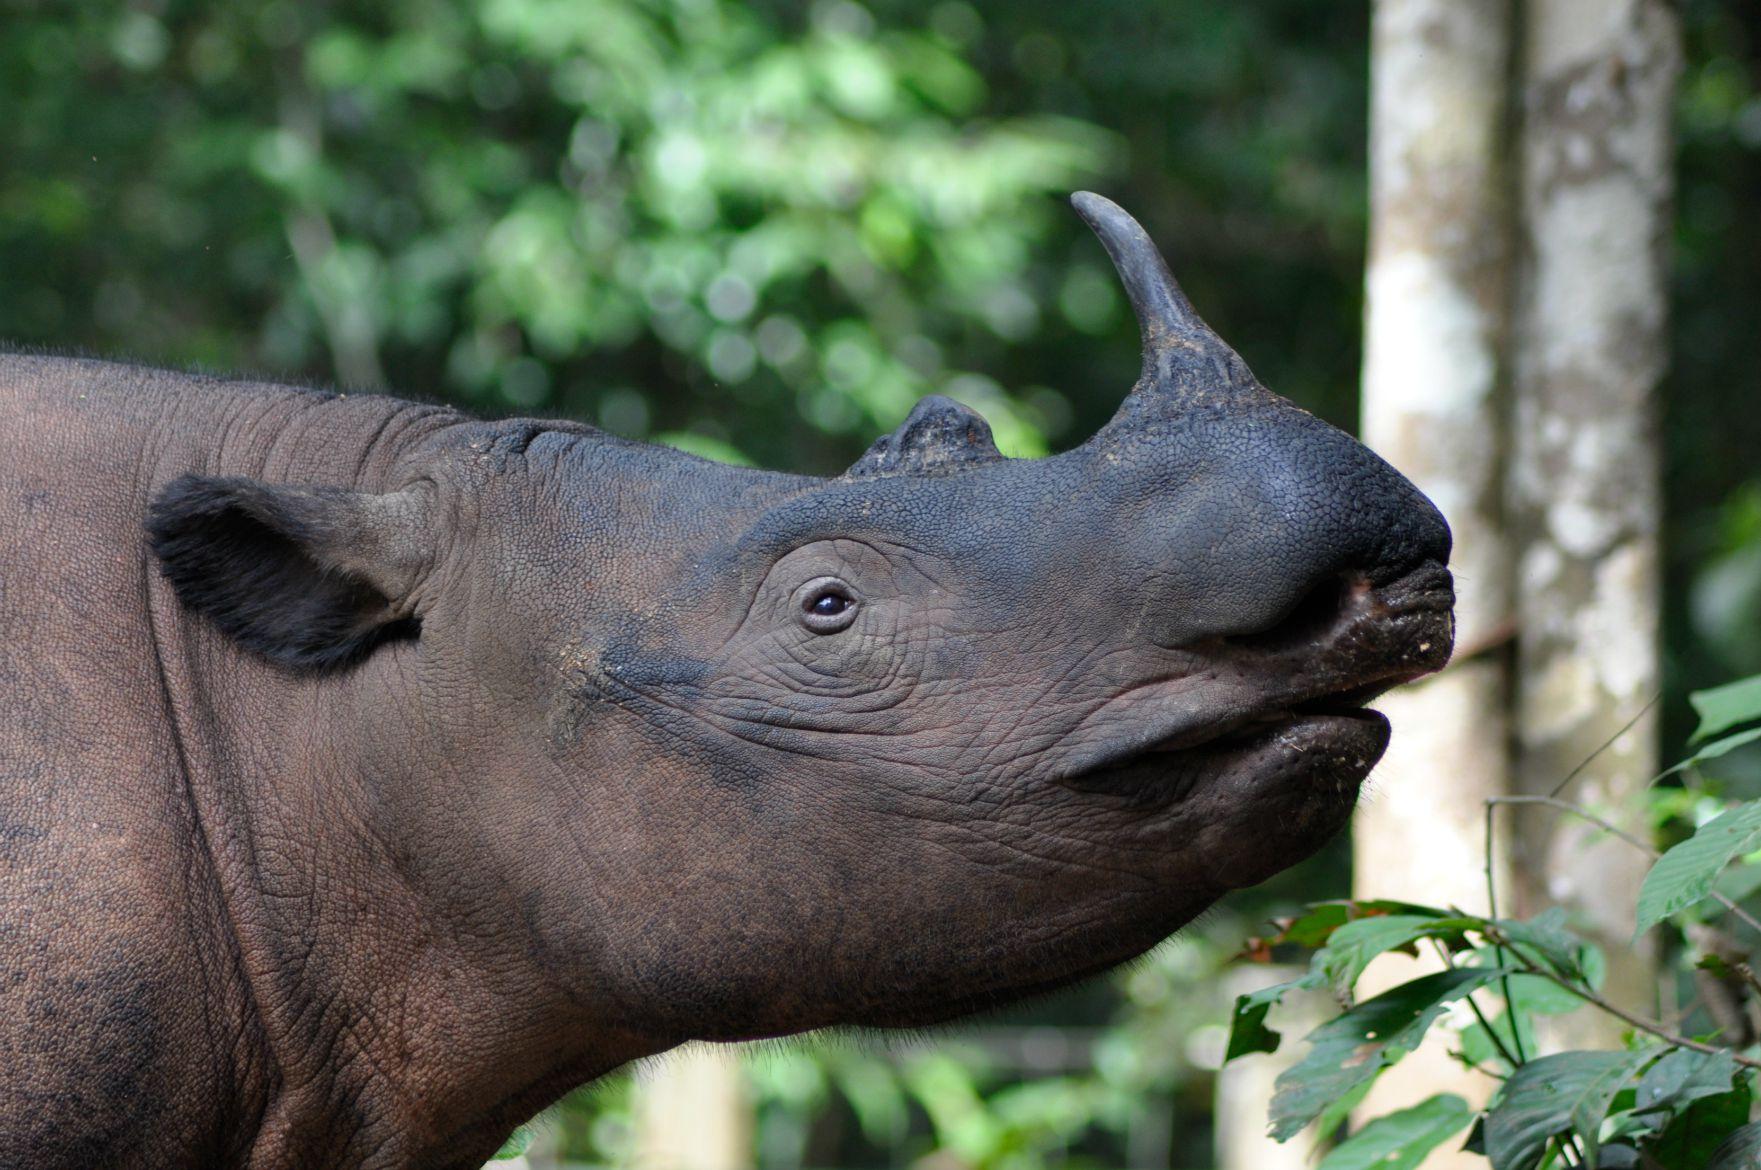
827	605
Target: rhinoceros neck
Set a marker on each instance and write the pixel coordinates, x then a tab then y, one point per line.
138	428
357	1032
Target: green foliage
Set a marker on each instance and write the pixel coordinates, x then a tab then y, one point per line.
1724	707
1696	1090
518	1143
754	232
1740	1151
1691	870
1352	947
1685	874
1247	1025
1667	1100
1349	1052
533	204
1552	1097
1401	1140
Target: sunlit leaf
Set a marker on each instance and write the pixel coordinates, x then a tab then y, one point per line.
1354	945
1684	875
1724	707
1400	1141
1348	1052
518	1143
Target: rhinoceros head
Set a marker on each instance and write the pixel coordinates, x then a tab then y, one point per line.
749	753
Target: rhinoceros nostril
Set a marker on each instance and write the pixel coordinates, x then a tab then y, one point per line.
1314	615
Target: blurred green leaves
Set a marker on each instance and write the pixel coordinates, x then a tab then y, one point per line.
540	204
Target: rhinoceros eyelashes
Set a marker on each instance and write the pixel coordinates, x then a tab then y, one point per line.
1182	358
939	435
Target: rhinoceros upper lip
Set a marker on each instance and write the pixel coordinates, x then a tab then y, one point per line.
1377	638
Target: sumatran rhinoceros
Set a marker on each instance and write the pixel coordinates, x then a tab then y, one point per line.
370	775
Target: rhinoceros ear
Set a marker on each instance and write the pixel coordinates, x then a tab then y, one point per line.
309	577
938	435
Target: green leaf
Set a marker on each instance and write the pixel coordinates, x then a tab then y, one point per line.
1335	1114
1401	1140
1477	1047
1694	1133
1545	939
1247	1025
517	1143
1683	1076
1738	883
1685	874
1724	745
1316	924
1537	996
1349	1051
1557	1095
1355	944
1723	707
1740	1151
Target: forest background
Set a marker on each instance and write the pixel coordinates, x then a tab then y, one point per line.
760	232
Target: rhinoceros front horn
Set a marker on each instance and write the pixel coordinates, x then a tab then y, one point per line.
1183	360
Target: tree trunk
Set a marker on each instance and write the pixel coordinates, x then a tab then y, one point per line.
1244	1088
692	1112
1437	289
1598	85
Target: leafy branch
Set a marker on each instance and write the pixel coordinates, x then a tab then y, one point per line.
1668	1100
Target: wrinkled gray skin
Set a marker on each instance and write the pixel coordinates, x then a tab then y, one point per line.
405	770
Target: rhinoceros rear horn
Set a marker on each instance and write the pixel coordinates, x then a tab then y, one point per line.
938	435
1183	360
306	576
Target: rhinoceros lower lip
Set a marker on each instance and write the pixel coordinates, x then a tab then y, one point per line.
1325	753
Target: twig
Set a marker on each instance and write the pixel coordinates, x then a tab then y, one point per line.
1516	1038
1639	1022
1606	744
1567	806
1485	1024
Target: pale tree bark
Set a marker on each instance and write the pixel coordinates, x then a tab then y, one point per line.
1598	84
692	1112
1434	327
1240	1140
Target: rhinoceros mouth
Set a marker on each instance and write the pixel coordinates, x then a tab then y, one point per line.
1290	704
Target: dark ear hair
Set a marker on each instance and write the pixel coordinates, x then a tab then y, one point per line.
309	577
